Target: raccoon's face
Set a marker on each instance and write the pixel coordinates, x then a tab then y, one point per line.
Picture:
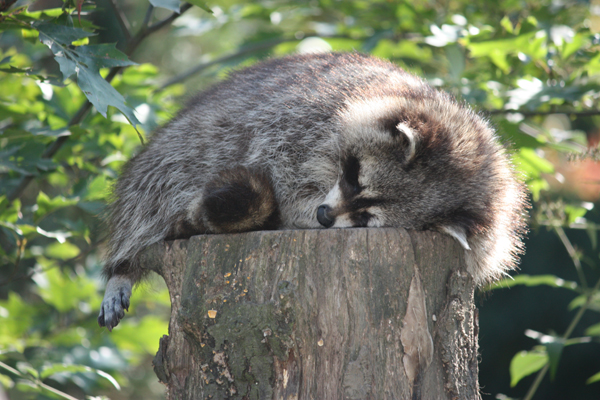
402	167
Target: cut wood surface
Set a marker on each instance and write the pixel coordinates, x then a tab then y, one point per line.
317	314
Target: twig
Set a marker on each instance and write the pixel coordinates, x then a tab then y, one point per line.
147	29
200	67
240	53
526	113
38	382
573	254
122	20
540	376
160	24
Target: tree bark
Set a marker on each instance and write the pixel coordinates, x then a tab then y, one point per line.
318	314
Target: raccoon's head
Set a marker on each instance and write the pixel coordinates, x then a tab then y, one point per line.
417	163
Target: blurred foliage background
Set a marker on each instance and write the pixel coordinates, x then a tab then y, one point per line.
82	82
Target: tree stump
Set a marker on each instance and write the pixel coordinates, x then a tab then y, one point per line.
317	314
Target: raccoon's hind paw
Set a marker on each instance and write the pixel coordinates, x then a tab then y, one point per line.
240	200
115	302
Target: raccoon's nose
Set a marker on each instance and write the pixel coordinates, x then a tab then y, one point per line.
324	216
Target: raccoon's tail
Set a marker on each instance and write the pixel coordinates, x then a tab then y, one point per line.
239	200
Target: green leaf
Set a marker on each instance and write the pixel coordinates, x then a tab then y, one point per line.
9	213
85	62
506	24
593	330
6	382
172	5
103	56
202	4
101	94
531	44
580	301
64	291
16	318
568	48
45	205
593	378
534	280
98	189
54	33
532	164
62	251
404	49
25	71
526	363
140	337
554	350
52	369
574	212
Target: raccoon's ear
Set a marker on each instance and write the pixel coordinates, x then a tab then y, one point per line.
410	135
458	233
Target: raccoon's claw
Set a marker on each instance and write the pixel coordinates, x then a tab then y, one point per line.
116	302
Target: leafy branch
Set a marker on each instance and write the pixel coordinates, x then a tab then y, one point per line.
542	373
67	61
36	378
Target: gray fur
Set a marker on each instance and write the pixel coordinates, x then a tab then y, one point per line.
303	124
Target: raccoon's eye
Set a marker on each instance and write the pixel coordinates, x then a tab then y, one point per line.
351	171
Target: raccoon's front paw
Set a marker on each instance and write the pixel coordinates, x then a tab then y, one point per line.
240	200
115	302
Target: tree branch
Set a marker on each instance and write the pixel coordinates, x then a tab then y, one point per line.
242	52
527	113
122	19
267	44
5	4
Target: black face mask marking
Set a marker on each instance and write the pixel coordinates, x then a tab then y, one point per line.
361	219
349	183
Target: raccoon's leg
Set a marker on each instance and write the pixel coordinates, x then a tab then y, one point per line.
116	301
121	278
239	200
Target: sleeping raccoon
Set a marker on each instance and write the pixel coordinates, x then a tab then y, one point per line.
317	141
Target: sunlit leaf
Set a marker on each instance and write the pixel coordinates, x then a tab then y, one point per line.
574	212
578	41
52	369
593	378
140	336
531	44
593	330
202	4
6	382
45	205
534	280
62	251
64	291
507	24
16	319
526	363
